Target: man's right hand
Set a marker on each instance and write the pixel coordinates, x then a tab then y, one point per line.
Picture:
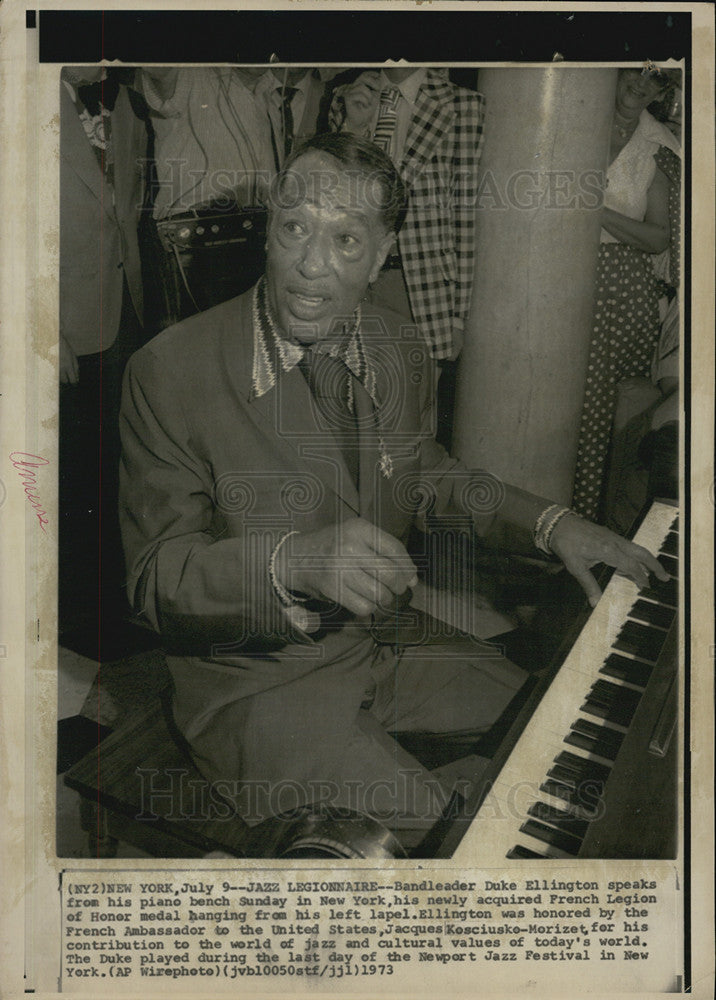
69	367
353	564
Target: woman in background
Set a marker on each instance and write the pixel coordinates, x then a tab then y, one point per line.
638	259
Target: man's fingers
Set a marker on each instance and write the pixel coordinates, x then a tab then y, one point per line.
359	606
654	566
393	575
366	586
587	582
636	572
397	573
388	557
645	562
362	595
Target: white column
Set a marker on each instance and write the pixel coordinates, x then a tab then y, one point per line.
523	365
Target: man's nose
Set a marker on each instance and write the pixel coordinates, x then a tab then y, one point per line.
315	257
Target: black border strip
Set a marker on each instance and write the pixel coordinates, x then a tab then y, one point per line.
685	519
330	36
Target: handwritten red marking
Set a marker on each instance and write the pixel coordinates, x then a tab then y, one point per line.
25	465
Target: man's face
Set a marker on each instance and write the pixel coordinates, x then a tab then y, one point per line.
326	244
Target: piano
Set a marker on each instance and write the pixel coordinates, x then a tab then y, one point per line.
589	767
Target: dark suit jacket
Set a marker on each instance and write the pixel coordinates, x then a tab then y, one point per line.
212	477
98	232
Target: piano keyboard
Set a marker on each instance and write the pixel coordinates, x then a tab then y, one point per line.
551	787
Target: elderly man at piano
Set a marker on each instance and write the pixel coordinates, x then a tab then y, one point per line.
276	451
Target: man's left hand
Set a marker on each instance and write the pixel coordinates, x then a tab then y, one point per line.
581	544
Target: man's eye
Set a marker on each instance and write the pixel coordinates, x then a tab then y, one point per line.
293	228
348	241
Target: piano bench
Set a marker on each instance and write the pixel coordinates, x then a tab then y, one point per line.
139	785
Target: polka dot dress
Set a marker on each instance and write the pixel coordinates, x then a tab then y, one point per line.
626	325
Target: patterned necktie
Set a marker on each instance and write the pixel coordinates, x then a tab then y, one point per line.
387	118
330	382
287	94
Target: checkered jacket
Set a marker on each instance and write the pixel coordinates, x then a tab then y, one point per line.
437	239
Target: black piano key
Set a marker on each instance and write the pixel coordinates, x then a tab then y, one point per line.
618	712
615	694
577	781
564	777
558	790
604	738
592	744
670	564
640	640
555	838
670	545
558	818
652	614
580	800
605	691
518	851
603	704
617	715
645	639
581	768
625	669
596	731
663	592
587	743
613	714
612	691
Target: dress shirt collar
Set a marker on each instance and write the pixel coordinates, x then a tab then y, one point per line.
408	87
271	86
272	350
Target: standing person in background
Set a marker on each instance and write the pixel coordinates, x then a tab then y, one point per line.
102	155
639	248
293	98
203	238
432	130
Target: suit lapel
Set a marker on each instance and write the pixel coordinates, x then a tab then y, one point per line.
369	450
76	150
431	120
129	147
398	426
286	414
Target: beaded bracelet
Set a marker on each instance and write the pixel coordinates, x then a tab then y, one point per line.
285	596
546	523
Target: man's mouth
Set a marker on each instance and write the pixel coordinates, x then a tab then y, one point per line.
308	299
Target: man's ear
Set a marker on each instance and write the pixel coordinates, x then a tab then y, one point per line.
383	250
